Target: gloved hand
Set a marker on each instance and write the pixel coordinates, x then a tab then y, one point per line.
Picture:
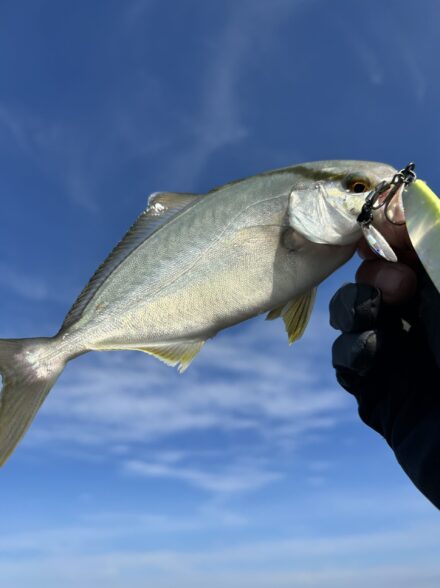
393	369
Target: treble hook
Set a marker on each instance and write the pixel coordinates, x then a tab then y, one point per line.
405	176
376	240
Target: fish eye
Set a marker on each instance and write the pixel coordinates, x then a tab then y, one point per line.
357	185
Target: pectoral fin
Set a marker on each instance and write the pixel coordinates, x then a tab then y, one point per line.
275	313
296	314
180	353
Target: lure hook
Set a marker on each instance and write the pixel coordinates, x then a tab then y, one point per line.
377	242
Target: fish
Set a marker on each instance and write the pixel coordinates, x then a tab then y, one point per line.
192	265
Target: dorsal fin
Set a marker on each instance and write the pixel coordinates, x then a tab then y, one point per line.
162	206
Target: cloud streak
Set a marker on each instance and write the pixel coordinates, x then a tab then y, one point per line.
72	554
56	148
239	478
218	121
30	286
120	406
223	388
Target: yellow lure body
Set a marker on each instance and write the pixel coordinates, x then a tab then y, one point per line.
422	213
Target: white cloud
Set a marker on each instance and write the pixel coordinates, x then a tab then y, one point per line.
120	397
218	119
57	148
370	58
74	555
78	155
239	478
382	60
163	571
247	384
29	285
136	9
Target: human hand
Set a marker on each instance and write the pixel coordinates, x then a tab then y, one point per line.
392	367
396	281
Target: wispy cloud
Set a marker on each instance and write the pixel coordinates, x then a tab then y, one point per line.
56	148
223	388
218	121
381	57
29	285
78	158
136	9
77	153
121	405
369	56
238	478
72	554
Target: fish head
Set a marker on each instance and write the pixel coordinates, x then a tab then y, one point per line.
328	196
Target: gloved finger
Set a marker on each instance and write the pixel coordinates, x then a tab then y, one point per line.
362	360
396	281
356	352
355	308
356	357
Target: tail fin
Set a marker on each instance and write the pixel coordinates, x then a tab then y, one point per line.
29	368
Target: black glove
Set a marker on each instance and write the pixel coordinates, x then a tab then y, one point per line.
392	367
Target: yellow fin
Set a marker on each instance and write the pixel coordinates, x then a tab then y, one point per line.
296	315
274	313
180	353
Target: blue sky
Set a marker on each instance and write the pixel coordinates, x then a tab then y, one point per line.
252	468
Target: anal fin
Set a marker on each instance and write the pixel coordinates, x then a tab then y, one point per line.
179	353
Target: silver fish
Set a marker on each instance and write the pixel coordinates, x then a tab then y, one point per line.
192	265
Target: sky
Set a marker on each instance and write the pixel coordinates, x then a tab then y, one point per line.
252	469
